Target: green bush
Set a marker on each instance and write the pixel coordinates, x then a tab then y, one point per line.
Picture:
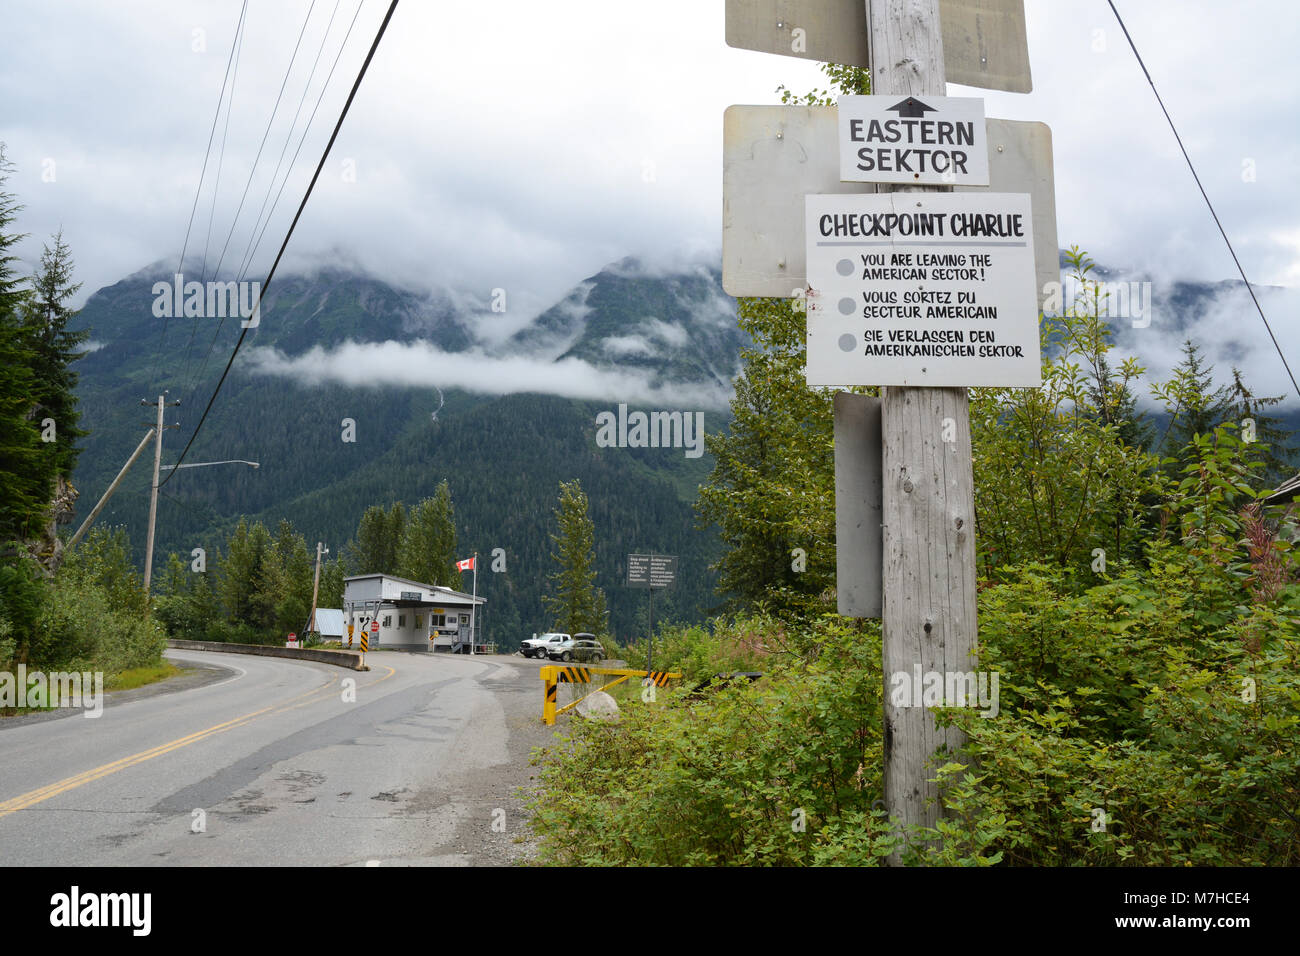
700	652
743	774
93	616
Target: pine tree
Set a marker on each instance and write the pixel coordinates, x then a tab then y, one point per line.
427	551
25	477
395	527
45	319
772	487
377	540
1270	440
288	580
332	574
574	603
1197	406
243	578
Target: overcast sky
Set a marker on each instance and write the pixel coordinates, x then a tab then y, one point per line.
524	145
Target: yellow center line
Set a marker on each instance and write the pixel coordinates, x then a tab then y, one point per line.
41	794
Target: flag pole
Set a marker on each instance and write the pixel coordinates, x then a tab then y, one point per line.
473	608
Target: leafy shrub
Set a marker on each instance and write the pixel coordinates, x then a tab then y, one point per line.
749	774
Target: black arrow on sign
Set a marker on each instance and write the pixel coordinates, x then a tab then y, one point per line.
911	108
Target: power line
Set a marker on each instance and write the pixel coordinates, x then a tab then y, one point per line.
243	264
1223	232
246	263
275	109
198	190
189	349
221	156
298	215
303	138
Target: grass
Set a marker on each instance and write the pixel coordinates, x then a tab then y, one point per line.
139	676
125	680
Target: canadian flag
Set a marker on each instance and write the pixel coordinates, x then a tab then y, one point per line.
466	565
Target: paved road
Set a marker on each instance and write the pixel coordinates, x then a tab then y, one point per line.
285	770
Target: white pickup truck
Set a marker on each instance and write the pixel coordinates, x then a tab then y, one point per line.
540	645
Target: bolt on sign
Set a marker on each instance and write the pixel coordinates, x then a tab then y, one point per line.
932	289
940	140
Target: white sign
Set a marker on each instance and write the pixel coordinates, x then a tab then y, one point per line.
984	41
936	140
932	289
774	156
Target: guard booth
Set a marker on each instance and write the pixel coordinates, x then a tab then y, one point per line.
412	616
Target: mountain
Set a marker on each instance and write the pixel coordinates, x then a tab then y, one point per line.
680	328
504	422
503	455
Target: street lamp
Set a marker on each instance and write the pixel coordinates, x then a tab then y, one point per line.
228	461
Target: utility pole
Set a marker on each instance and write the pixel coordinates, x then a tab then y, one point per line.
315	589
929	617
94	512
153	496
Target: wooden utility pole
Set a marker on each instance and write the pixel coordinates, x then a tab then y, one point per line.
315	590
94	512
928	488
153	496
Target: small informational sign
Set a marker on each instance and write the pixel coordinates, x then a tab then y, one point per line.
774	156
410	596
655	571
930	289
936	140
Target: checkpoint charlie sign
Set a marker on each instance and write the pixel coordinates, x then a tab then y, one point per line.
933	289
938	140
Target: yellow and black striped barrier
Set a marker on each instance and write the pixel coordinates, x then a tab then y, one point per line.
365	642
555	676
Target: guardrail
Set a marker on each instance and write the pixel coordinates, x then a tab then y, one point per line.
555	675
349	659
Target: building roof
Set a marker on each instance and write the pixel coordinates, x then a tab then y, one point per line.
1286	491
329	621
460	595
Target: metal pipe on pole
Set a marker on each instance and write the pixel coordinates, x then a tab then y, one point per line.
94	512
473	608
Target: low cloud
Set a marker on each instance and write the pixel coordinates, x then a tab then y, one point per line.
421	364
624	345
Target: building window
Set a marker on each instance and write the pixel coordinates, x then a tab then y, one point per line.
464	619
419	622
401	620
388	620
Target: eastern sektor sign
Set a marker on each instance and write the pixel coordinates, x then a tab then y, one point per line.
654	571
932	289
939	140
774	156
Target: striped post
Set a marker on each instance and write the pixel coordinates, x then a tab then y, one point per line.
548	674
